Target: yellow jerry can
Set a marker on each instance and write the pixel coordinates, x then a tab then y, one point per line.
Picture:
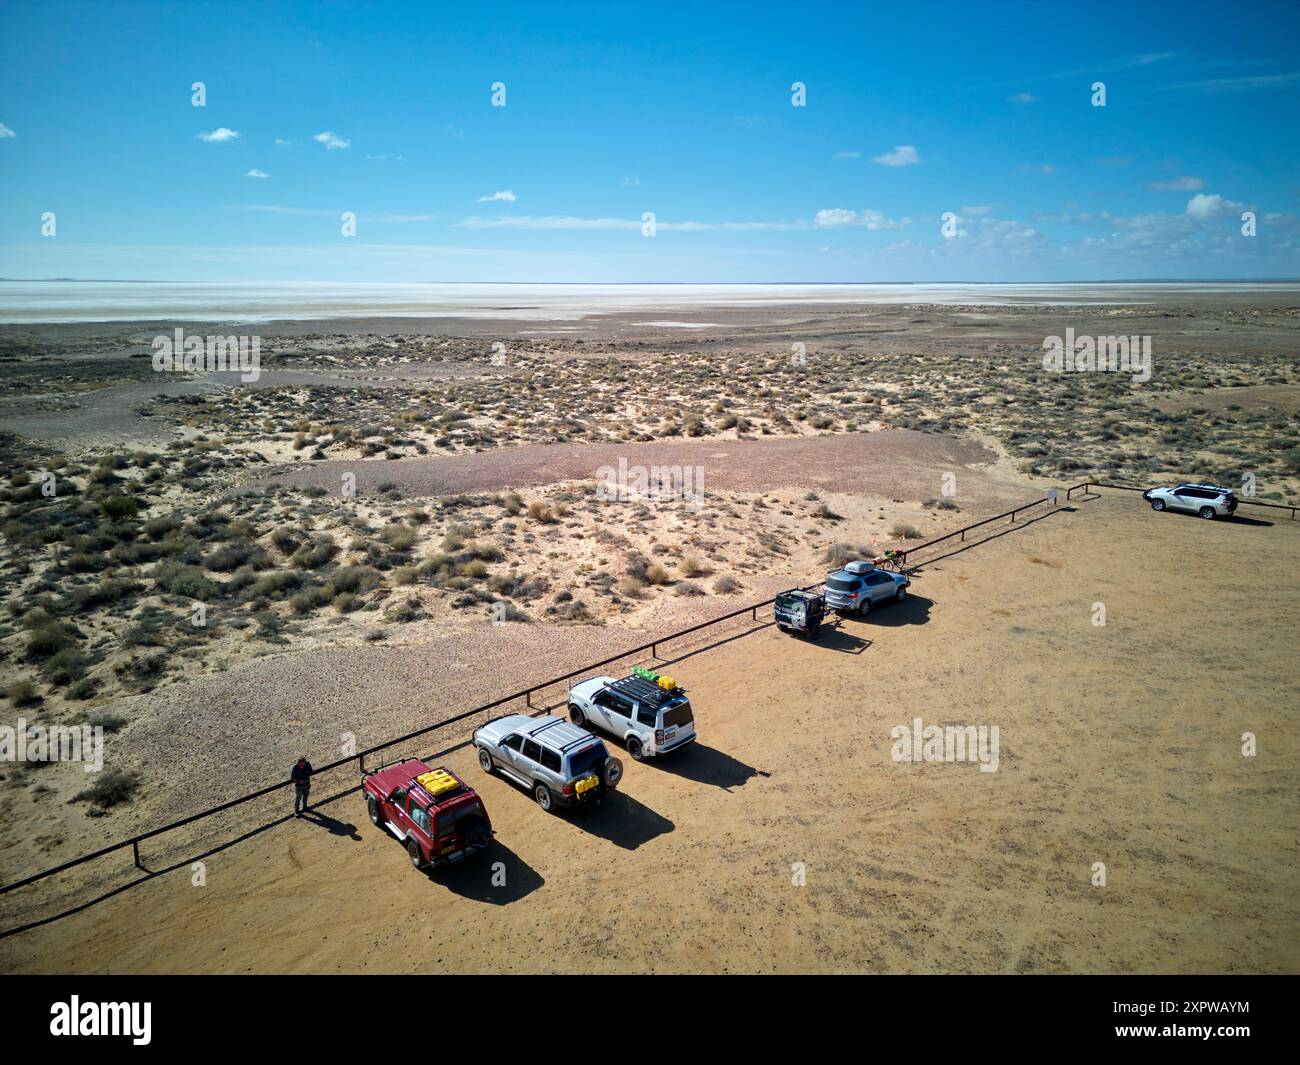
437	781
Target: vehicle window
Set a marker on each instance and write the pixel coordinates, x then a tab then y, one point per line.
1191	493
398	798
514	741
448	819
584	761
421	817
839	584
679	714
619	706
533	750
877	578
647	716
551	759
603	699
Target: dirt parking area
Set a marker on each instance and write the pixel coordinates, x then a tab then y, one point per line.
790	839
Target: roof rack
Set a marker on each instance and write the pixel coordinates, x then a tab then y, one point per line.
643	691
577	741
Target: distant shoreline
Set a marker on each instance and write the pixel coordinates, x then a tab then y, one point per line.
67	302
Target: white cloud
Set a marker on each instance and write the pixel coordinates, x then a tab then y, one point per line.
6	132
824	219
837	216
631	182
549	222
1041	168
504	196
1265	81
1203	207
388	157
220	135
1179	184
280	142
903	155
1023	98
847	155
981	209
382	217
257	173
332	140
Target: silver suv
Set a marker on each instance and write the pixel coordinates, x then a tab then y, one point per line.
1208	500
558	762
859	586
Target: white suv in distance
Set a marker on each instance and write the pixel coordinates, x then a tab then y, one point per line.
1208	500
651	715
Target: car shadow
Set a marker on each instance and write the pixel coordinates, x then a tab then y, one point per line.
911	610
834	637
332	825
707	765
497	876
1231	519
621	819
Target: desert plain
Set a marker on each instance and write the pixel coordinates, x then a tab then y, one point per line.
403	518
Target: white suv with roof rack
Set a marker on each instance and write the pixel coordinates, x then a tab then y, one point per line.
649	713
1208	500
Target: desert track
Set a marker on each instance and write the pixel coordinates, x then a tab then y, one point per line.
898	462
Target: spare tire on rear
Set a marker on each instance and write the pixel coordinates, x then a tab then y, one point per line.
612	773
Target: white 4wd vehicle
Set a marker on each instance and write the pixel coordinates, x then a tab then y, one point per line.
649	714
1208	500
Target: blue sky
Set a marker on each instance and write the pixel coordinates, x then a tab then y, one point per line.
683	110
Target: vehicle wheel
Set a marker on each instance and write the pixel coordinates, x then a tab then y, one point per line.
544	797
865	608
575	715
413	852
474	830
612	773
902	591
376	818
635	749
1207	513
484	760
1157	504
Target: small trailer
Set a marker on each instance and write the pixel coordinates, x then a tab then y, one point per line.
800	612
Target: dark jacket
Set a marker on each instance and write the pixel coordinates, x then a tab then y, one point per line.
301	774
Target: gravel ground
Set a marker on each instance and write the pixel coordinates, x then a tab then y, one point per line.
691	866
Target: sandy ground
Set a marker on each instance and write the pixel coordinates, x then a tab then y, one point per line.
1119	744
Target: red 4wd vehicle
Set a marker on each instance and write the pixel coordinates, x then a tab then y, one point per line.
438	817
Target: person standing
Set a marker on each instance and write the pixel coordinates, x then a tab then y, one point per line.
301	777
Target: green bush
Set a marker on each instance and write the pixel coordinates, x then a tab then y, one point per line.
48	640
180	579
120	507
111	789
65	666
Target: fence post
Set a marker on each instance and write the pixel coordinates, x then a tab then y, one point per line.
654	651
135	853
528	699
